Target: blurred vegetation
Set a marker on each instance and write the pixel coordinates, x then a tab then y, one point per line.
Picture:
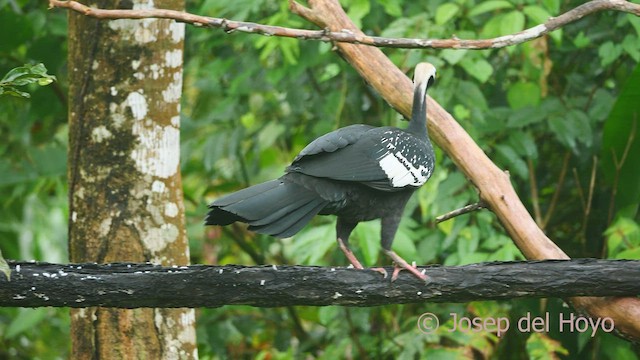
563	104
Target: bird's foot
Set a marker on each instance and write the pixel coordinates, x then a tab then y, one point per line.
401	264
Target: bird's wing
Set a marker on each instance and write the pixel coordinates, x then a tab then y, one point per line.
386	159
334	140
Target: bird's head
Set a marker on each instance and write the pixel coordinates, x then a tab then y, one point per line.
424	75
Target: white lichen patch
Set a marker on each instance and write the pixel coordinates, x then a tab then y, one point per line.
173	58
158	150
158	186
156	71
175	121
117	118
174	90
141	31
156	239
135	64
80	313
138	104
187	322
171	209
100	134
105	227
143	4
113	91
176	31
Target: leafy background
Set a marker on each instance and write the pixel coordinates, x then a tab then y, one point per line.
564	104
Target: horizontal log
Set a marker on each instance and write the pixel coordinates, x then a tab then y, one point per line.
122	285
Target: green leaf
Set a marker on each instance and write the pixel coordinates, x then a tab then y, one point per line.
453	56
541	346
512	161
330	71
523	94
512	22
358	9
536	14
581	41
623	121
525	116
26	319
445	12
478	68
579	121
488	6
470	94
404	246
367	234
24	75
327	314
609	52
631	45
623	234
392	7
631	254
552	5
563	130
523	143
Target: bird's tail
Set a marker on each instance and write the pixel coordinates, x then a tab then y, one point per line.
277	208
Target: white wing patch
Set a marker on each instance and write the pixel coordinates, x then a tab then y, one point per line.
402	172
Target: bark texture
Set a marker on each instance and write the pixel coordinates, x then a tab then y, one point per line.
125	197
145	285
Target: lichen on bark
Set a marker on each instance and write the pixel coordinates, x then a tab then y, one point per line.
125	192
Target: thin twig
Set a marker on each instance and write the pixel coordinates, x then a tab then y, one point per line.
580	191
587	209
534	194
556	194
463	210
350	37
618	167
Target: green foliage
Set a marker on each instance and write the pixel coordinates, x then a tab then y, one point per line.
620	143
252	102
24	75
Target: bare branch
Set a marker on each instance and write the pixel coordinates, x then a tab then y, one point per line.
556	194
144	285
463	210
349	36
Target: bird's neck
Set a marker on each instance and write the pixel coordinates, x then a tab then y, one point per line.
418	122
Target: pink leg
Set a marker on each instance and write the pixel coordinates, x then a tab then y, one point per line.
401	264
349	254
354	261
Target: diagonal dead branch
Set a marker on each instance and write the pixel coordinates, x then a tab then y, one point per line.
494	185
346	36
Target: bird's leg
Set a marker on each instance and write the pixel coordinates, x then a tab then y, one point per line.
349	254
388	232
401	264
343	231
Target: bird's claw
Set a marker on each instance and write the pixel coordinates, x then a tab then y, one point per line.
381	271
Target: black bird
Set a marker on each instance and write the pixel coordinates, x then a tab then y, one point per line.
358	173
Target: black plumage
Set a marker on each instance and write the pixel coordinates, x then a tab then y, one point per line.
358	173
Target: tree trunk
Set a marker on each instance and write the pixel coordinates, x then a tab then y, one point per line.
125	191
